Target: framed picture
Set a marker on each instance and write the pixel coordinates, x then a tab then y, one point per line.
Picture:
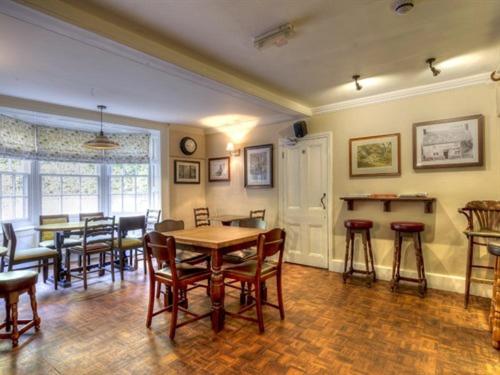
259	166
219	169
456	142
379	155
186	172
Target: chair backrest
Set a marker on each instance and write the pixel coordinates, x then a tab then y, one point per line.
201	217
161	248
99	229
9	239
257	214
250	223
90	215
268	244
169	225
51	219
152	217
482	215
131	223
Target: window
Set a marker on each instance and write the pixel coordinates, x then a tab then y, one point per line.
130	188
69	187
14	189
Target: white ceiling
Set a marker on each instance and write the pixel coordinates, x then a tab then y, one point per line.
334	40
47	60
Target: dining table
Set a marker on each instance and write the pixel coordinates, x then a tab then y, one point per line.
216	241
227	220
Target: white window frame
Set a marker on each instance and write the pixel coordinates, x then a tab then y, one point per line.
28	177
110	194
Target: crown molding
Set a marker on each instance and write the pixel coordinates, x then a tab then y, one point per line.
477	79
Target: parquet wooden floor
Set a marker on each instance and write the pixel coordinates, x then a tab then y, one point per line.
330	328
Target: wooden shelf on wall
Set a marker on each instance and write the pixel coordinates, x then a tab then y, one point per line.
428	202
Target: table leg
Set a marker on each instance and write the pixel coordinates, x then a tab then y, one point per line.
217	292
61	277
495	307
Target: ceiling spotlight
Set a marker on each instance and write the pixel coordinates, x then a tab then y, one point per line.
278	36
434	70
402	6
355	78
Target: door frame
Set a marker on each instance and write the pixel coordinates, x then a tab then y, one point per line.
329	203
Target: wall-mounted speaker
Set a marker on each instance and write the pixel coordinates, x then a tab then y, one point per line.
300	129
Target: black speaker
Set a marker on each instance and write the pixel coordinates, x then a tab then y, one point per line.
300	129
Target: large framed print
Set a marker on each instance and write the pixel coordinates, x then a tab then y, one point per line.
219	169
456	142
186	172
378	155
259	166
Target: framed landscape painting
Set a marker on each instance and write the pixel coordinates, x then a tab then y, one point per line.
378	155
259	166
186	172
456	142
219	169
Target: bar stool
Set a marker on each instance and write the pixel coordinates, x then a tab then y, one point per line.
12	285
362	227
408	229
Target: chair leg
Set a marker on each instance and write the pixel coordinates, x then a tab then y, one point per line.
55	269
144	262
279	291
258	306
122	265
79	261
45	270
2	263
370	252
158	290
112	252
15	333
367	263
84	271
136	260
243	297
7	315
468	271
175	310
36	318
68	265
151	303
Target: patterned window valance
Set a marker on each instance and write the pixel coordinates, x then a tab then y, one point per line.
60	144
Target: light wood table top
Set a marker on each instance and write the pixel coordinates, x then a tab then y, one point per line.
63	227
215	237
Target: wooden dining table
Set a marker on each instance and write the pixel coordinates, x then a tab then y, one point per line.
216	241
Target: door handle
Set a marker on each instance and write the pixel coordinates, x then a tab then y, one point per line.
322	201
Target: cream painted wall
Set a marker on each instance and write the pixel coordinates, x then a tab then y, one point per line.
232	197
444	243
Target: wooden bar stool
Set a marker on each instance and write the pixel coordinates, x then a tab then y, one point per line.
408	229
359	227
12	285
494	249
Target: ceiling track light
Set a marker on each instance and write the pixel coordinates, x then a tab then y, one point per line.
434	70
358	85
278	36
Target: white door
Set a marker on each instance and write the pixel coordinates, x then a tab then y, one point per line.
304	201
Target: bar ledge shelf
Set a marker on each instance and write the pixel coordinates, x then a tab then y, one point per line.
427	201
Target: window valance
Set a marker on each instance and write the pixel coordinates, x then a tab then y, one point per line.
22	139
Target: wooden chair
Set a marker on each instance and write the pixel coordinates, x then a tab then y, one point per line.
98	238
124	243
256	271
12	285
201	217
152	218
483	225
36	254
257	214
46	238
174	276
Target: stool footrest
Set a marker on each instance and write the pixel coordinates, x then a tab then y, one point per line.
411	279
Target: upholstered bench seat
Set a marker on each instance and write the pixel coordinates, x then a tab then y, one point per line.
34	253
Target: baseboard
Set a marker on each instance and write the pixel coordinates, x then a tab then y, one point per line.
449	283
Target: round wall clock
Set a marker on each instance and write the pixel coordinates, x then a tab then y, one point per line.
188	146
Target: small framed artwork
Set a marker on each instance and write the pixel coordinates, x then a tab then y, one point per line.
219	169
186	172
378	155
259	166
455	142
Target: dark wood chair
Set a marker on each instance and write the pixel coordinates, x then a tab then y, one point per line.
201	217
12	285
257	214
175	276
24	256
255	271
152	218
125	243
98	238
483	225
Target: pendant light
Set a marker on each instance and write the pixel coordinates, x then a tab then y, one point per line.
101	142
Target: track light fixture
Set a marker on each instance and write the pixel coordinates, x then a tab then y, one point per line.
355	78
434	70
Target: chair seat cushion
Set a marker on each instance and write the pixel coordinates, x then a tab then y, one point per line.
67	242
184	271
17	280
407	226
240	256
3	251
482	233
92	247
249	269
34	253
186	256
494	248
128	243
358	224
